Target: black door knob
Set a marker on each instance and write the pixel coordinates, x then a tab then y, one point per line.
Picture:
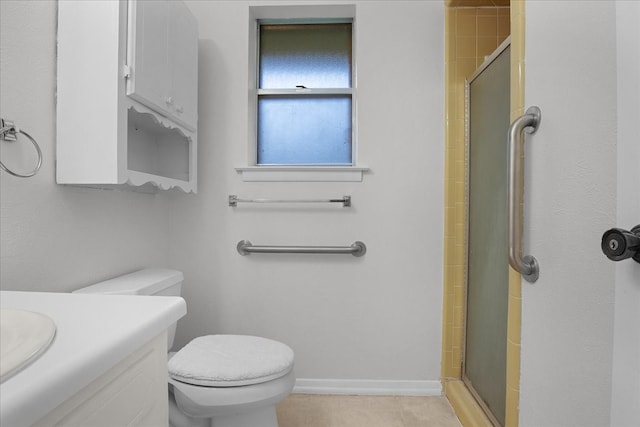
618	244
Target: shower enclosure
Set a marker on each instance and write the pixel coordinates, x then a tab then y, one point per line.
488	105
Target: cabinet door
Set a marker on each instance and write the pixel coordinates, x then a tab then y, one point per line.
183	49
149	59
164	59
132	393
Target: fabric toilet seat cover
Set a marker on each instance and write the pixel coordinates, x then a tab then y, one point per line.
230	361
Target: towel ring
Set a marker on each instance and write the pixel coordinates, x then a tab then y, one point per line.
8	133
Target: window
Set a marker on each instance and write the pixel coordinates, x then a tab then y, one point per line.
305	111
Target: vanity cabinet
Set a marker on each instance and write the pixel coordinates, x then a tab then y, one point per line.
107	365
127	94
132	393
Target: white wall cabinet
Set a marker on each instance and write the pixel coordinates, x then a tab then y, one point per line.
127	94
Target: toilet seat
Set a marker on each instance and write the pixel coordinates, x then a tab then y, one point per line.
230	361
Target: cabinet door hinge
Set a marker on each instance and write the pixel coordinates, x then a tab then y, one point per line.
126	72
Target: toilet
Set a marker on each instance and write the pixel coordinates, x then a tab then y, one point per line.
215	380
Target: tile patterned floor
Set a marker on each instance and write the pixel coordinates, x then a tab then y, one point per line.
303	410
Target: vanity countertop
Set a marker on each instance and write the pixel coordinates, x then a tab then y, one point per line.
93	333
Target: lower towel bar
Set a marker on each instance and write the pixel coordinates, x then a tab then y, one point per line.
356	249
234	200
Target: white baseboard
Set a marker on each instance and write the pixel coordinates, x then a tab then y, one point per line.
368	387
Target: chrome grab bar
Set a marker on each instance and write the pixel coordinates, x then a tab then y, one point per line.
529	122
234	200
356	249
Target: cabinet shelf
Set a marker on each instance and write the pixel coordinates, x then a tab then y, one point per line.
154	149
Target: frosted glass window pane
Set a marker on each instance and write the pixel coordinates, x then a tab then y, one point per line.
312	55
304	130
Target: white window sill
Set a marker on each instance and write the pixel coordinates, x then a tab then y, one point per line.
302	173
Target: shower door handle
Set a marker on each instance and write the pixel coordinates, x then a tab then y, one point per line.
529	122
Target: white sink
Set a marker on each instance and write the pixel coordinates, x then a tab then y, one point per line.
24	336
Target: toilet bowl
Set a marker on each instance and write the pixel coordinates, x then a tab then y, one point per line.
244	406
215	380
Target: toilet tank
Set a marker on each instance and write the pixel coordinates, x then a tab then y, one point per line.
150	281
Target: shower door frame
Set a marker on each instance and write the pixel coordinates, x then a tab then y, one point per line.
488	61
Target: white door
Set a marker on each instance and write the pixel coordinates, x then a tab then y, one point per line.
625	409
570	199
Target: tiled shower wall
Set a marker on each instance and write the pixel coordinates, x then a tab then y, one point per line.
471	33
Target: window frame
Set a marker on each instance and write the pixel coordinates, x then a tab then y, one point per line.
313	172
305	92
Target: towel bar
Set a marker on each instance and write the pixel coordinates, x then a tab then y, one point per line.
234	200
357	249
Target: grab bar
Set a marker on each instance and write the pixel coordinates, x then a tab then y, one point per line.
8	132
529	122
234	200
357	249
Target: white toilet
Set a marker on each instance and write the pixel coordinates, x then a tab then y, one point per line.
215	380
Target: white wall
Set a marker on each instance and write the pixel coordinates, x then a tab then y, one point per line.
56	238
625	396
376	317
570	200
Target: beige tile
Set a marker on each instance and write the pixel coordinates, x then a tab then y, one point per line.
487	11
459	190
486	46
467	11
504	27
300	410
487	26
459	254
374	411
450	49
458	293
464	68
514	320
466	47
459	206
513	365
503	11
450	21
447	366
450	251
513	400
447	338
466	24
427	411
460	107
466	408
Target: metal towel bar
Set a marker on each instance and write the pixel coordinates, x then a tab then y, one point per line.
529	122
356	249
234	200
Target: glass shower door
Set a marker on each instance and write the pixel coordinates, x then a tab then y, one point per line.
484	368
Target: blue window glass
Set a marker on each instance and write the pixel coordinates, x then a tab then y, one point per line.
311	126
304	130
311	55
